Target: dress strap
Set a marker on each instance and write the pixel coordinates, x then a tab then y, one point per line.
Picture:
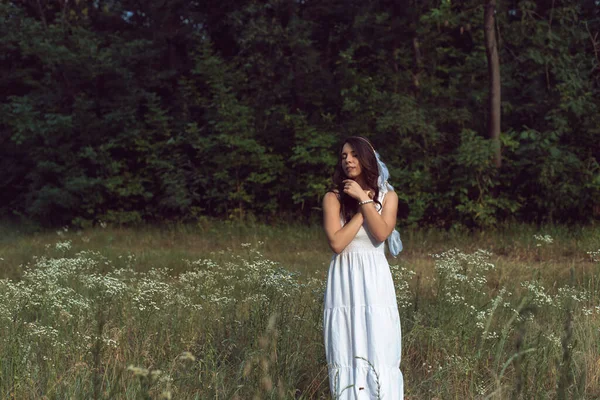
381	197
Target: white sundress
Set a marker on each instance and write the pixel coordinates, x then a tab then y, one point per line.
361	324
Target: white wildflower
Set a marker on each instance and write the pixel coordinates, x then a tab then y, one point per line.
544	239
63	246
594	255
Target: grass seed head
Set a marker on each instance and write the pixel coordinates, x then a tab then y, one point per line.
187	356
137	371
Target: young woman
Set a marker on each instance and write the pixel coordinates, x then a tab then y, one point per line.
360	320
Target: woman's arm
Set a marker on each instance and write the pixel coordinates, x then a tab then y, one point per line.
338	237
381	226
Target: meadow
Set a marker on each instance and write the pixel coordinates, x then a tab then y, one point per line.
226	310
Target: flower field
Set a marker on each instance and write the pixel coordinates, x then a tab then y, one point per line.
85	317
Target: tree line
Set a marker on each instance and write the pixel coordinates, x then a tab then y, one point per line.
127	111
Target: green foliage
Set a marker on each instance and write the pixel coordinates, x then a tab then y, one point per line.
128	111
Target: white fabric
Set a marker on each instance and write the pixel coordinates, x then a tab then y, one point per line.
384	175
394	241
361	319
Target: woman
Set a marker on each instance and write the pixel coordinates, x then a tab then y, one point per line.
360	320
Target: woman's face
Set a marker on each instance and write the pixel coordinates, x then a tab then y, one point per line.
350	163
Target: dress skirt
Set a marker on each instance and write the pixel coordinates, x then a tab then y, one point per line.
361	324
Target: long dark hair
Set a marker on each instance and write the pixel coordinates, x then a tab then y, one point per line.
368	162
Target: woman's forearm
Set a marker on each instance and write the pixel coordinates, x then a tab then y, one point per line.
377	226
344	236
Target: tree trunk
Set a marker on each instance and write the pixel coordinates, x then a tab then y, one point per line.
417	57
491	50
418	62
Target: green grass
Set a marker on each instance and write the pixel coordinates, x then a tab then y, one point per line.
243	304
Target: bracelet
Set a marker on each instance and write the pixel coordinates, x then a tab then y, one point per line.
360	203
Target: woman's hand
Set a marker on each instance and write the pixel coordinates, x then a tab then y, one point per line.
353	189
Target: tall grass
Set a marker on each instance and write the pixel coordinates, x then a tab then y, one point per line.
223	310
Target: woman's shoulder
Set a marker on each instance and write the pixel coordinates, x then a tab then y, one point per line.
390	195
333	193
332	196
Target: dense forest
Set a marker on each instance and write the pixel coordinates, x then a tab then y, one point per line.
130	111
